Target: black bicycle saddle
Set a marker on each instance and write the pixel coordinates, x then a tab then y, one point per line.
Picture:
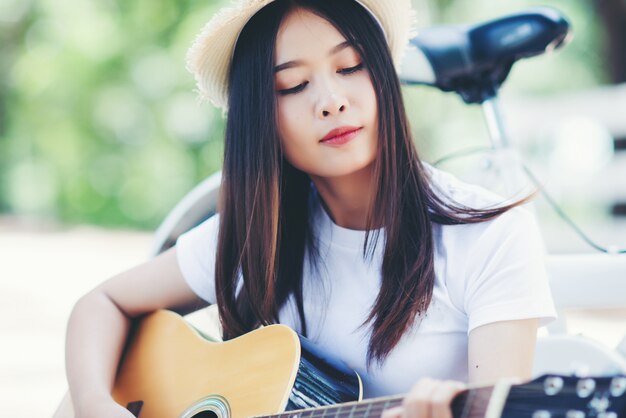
474	60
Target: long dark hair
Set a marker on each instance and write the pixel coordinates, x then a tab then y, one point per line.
264	216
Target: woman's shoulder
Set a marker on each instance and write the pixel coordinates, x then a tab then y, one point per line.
488	262
205	233
451	188
519	219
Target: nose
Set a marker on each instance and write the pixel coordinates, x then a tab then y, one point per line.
331	102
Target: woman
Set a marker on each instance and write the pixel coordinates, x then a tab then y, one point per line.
330	223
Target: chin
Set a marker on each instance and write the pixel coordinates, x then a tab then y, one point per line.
346	170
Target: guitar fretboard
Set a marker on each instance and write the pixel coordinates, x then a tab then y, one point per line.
471	403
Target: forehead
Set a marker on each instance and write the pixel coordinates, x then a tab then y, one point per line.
302	32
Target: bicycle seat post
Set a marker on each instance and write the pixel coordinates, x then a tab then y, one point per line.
507	162
495	124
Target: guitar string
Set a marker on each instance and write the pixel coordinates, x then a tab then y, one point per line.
373	408
467	405
339	411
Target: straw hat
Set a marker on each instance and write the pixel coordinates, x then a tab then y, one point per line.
211	53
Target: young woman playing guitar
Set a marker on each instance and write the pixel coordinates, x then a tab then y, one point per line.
330	223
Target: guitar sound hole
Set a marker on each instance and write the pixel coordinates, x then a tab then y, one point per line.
205	414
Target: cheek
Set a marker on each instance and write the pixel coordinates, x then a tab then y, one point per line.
292	133
369	99
364	97
287	123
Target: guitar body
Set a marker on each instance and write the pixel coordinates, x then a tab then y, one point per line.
170	370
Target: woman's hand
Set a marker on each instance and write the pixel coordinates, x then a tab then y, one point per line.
428	398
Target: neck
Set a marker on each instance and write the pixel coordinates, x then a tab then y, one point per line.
347	199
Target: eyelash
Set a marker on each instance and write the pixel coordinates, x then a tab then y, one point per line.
297	89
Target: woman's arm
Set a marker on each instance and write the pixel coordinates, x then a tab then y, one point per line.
99	324
502	349
497	350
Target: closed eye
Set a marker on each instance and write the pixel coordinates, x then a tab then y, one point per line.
351	69
293	90
300	87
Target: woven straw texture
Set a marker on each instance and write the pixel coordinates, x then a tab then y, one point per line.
209	57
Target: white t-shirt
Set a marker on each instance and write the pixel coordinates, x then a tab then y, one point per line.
485	272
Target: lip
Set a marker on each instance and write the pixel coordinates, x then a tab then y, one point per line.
341	135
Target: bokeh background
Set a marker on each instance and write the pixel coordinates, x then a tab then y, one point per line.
101	134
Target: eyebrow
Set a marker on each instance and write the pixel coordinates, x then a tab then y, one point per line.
296	63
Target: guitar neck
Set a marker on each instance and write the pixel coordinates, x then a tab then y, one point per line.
368	408
486	401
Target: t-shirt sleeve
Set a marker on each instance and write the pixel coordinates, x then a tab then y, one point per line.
506	274
196	251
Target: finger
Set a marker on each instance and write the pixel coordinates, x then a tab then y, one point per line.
416	403
394	412
442	398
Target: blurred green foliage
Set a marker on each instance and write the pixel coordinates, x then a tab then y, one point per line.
99	121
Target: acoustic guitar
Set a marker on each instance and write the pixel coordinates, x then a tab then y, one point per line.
171	370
